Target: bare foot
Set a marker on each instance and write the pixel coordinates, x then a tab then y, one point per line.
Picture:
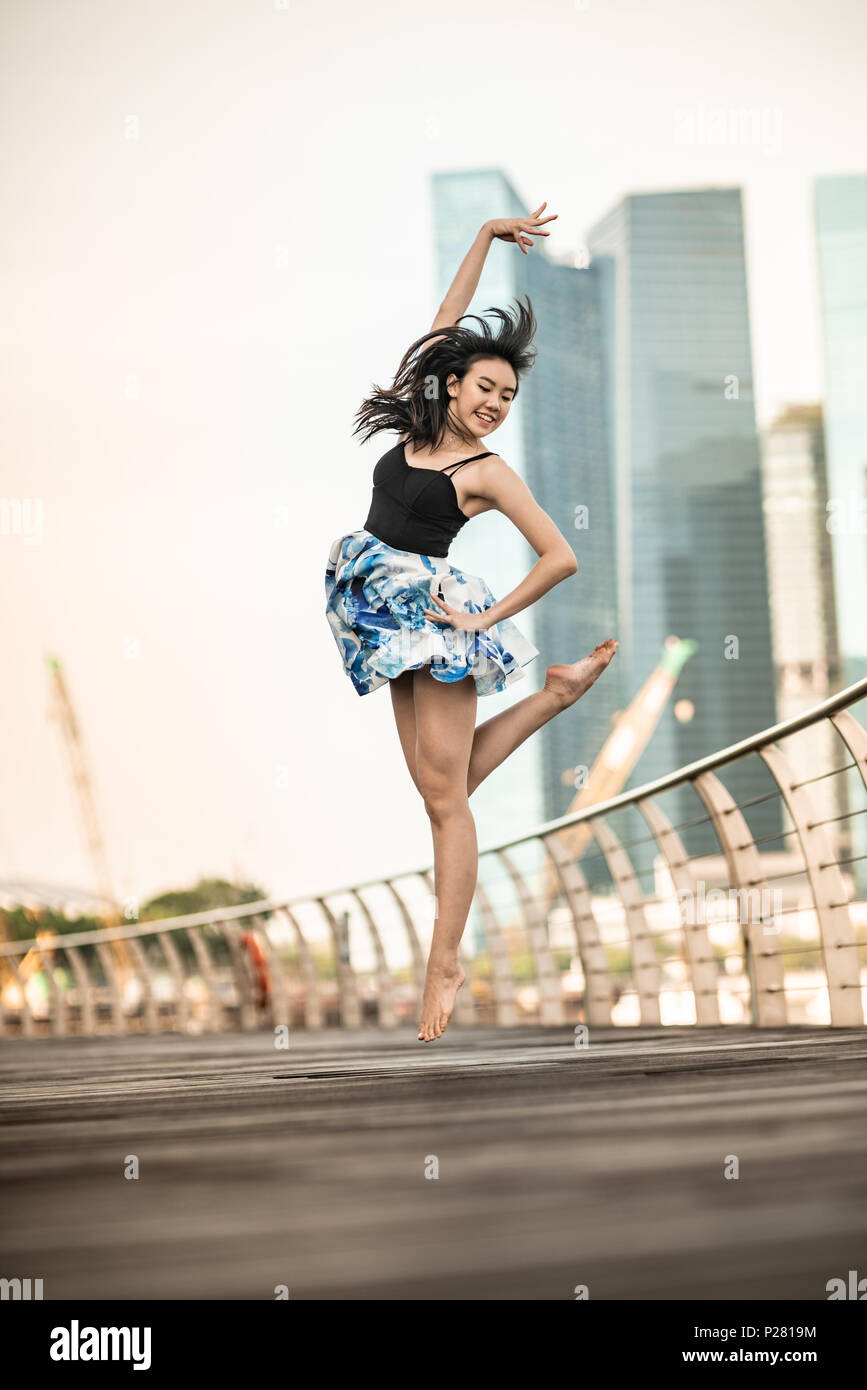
442	983
568	683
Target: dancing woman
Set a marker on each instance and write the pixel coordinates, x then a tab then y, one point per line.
401	613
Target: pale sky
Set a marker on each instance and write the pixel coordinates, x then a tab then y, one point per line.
215	234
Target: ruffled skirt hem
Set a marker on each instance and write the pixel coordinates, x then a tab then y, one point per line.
375	601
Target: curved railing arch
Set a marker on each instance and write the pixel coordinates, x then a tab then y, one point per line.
552	955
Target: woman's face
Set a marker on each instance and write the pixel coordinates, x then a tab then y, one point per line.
482	400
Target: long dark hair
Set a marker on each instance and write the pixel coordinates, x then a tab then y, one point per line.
417	403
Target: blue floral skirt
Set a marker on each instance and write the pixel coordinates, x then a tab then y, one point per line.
375	600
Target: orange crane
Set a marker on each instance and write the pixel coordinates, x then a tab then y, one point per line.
622	748
65	714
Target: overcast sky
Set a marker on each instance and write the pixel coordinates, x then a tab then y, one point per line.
215	234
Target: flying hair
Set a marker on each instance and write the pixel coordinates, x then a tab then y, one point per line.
417	403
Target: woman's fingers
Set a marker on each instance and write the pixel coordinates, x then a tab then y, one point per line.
528	227
434	615
520	230
534	217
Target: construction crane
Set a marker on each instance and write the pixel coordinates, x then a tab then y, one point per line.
64	712
622	749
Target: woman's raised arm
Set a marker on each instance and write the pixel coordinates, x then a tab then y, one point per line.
465	283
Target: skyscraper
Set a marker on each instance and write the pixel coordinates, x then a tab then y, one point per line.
690	535
841	236
511	798
801	581
555	439
803	613
568	468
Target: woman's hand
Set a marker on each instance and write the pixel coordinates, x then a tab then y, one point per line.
518	229
456	617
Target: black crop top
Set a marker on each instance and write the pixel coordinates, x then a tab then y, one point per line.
396	515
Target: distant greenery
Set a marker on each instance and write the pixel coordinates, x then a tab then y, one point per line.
323	957
206	894
21	923
797	954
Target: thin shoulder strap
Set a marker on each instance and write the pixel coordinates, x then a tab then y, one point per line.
461	462
434	472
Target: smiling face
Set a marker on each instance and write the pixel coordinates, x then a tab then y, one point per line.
482	400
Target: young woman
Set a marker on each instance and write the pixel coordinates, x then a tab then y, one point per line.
401	613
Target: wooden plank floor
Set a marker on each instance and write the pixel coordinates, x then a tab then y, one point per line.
557	1166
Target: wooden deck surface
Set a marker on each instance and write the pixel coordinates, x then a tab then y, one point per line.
557	1166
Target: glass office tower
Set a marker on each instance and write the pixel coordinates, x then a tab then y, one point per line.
690	535
555	439
841	237
568	468
511	799
804	620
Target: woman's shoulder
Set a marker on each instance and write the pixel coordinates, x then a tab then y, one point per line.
493	477
492	464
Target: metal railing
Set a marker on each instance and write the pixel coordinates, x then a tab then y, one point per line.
563	928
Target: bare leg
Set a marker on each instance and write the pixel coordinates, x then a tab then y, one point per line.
445	716
403	704
433	729
500	735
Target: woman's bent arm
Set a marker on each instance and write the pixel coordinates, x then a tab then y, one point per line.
510	495
546	572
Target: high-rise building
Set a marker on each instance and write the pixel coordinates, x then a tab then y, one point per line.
555	439
803	615
800	574
841	237
511	798
568	469
690	534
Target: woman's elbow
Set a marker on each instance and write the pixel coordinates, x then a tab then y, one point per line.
567	562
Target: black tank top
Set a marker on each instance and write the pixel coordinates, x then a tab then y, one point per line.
415	509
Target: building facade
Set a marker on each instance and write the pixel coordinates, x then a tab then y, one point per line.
841	240
556	439
690	532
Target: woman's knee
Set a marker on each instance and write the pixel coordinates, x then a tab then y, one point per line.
443	797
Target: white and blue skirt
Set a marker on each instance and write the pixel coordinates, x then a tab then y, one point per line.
375	601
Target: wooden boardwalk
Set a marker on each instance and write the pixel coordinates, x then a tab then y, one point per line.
557	1166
